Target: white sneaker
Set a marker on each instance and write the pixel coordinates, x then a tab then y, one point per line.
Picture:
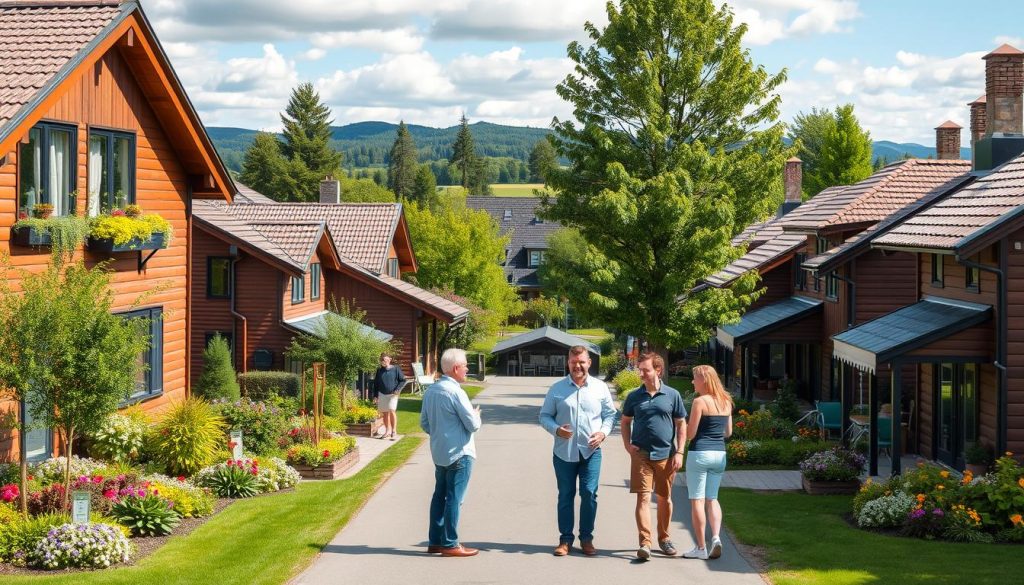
696	553
643	553
716	548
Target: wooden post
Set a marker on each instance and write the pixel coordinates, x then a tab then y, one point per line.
897	419
319	392
873	429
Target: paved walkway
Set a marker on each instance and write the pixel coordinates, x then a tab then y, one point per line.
509	513
369	449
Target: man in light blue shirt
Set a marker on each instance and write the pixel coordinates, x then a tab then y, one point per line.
450	420
579	412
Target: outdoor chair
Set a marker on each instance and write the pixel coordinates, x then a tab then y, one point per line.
885	434
422	380
830	416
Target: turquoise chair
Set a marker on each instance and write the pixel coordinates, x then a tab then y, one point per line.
885	434
830	416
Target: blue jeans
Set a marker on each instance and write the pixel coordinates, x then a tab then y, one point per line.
450	485
566	473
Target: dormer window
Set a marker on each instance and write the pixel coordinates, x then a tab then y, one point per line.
536	258
46	168
538	220
507	216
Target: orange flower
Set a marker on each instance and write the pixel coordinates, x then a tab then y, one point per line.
1020	482
1009	453
940	487
1016	520
944	473
920	497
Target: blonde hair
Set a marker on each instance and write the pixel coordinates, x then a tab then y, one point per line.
713	384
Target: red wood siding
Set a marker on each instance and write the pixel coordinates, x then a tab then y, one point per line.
1015	345
209	315
307	306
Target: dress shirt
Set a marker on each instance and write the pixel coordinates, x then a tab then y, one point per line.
450	420
587	409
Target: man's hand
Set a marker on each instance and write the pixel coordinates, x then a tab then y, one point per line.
677	462
564	431
596	439
633	449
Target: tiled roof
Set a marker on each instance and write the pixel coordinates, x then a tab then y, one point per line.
450	311
214	215
765	254
38	39
297	239
246	194
545	333
965	215
362	231
876	197
518	216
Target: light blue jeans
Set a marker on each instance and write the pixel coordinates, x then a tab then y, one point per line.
704	471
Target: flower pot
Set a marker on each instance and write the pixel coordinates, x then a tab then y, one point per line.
830	488
329	470
977	469
107	245
364	429
31	237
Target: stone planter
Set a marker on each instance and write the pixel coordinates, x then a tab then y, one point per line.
364	429
329	470
830	488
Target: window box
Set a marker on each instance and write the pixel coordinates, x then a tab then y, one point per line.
156	241
120	232
35	232
31	236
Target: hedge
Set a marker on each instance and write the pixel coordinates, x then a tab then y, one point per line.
262	385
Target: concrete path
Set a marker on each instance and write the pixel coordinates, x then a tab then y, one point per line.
509	513
369	449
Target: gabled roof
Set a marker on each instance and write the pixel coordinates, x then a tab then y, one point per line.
546	333
764	257
431	303
246	194
47	45
297	239
363	232
517	217
874	198
968	219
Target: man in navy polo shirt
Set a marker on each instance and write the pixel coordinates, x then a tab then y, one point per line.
653	427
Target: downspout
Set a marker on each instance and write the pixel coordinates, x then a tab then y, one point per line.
238	316
1001	335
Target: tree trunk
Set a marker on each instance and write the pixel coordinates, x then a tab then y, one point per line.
24	480
69	438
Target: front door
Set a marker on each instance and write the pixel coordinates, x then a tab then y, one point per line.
956	411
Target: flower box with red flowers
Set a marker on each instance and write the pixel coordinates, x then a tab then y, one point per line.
329	459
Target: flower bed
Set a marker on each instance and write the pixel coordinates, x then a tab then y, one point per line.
327	460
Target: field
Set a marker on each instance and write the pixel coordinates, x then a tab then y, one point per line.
503	189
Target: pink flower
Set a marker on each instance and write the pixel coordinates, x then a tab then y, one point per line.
142	493
181	478
110	494
231	462
117	213
97	479
9	492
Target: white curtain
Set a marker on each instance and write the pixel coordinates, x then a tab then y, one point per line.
95	175
59	172
37	173
123	182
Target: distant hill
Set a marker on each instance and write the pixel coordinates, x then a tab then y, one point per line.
366	144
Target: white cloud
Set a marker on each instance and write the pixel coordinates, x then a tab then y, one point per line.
1008	40
394	81
773	20
520	20
824	65
314	54
402	40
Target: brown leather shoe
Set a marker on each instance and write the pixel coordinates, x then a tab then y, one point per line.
434	548
587	546
459	551
562	549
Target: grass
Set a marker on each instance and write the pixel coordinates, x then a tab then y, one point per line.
268	539
683	385
409	410
806	539
592	332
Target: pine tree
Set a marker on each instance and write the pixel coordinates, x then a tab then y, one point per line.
464	156
265	169
403	164
542	158
218	379
424	190
834	149
307	137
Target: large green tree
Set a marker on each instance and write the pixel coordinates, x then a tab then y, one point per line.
424	189
835	150
307	132
266	170
542	158
675	148
464	157
402	166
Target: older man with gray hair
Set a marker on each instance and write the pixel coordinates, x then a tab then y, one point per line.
450	420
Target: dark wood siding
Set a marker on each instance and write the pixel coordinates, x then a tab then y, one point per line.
1015	345
208	315
886	281
778	285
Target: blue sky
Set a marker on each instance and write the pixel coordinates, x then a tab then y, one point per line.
906	65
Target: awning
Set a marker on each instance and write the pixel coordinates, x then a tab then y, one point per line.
316	324
880	340
767	318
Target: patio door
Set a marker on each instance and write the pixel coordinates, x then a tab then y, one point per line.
956	411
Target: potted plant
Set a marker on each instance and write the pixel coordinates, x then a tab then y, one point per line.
120	232
836	471
977	457
361	419
42	210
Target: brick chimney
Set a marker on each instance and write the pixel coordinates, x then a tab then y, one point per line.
330	190
947	140
978	119
792	183
1003	138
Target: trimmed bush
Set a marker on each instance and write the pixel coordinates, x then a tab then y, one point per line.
264	385
261	424
90	546
187	436
626	381
218	378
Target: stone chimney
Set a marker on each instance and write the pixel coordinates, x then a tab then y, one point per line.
330	190
792	183
1003	138
947	140
978	120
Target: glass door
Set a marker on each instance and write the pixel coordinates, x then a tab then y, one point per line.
956	411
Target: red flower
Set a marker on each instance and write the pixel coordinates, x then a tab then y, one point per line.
740	425
9	492
326	453
181	478
232	444
97	479
31	477
110	494
22	215
231	462
117	213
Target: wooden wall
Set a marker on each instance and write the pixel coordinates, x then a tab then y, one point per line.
1015	345
308	306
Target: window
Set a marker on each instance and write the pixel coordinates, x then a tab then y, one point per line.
111	170
937	270
314	281
46	168
536	258
298	289
832	286
150	381
507	216
800	274
393	269
972	279
218	278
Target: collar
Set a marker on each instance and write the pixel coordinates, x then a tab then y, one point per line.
586	381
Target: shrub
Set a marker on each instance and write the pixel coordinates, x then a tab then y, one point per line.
104	492
18	539
146	513
869	490
91	546
963	524
8	514
924	522
332	400
49	500
359	412
978	453
261	424
328	451
218	377
274	475
263	385
52	470
120	437
231	479
785	406
9	492
836	464
188	435
886	512
613	363
626	381
762	425
742	406
9	473
189	501
1003	492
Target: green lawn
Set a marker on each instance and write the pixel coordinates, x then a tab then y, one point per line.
683	385
501	189
592	332
806	539
409	410
268	539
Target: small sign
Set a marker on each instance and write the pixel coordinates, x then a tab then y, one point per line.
80	507
236	444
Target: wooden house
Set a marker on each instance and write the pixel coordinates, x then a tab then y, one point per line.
92	116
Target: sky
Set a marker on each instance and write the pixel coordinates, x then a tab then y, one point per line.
906	65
